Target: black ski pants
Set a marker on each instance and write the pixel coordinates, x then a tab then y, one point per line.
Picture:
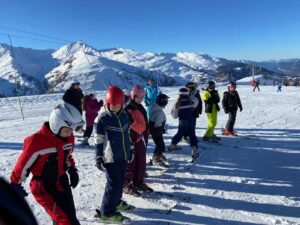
158	140
231	120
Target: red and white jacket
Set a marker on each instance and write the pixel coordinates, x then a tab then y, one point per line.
44	155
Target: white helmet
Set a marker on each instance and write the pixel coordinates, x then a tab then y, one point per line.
65	115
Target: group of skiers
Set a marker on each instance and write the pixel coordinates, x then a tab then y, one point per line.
121	137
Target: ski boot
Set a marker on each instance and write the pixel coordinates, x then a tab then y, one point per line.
215	137
160	161
124	206
130	189
195	153
229	133
116	218
144	188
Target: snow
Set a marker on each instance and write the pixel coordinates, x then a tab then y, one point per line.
250	179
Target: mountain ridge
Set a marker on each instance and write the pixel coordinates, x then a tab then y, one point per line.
27	71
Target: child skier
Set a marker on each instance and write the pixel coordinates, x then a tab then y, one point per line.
211	99
135	173
91	106
157	123
195	97
47	154
279	87
231	102
112	153
184	109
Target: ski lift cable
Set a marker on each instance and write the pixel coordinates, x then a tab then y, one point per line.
32	38
19	99
36	34
104	85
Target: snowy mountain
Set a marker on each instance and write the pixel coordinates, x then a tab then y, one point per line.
40	71
81	62
289	67
252	179
26	68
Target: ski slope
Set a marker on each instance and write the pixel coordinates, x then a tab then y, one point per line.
247	180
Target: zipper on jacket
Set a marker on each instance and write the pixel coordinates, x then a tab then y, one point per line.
123	141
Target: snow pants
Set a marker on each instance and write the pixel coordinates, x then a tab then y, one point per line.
158	140
186	127
115	177
136	170
59	204
212	122
255	88
231	120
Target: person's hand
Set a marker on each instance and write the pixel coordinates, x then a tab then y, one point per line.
100	164
20	189
74	177
241	109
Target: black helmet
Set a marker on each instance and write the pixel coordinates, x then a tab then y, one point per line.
211	84
191	85
232	83
162	99
183	92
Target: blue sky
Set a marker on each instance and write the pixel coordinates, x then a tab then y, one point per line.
233	29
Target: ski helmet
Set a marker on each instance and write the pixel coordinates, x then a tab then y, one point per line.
65	115
232	84
162	99
211	84
191	85
75	83
137	90
114	96
183	92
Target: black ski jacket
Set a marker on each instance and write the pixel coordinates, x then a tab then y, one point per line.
231	101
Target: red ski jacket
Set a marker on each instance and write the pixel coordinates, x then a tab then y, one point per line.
44	155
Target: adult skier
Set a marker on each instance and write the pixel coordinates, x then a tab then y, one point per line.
150	96
112	143
231	102
184	109
74	96
157	123
211	99
135	173
256	85
91	106
47	155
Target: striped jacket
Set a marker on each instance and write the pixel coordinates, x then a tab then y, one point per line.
112	136
44	155
184	109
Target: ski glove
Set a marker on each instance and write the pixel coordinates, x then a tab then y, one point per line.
100	164
20	189
74	178
241	109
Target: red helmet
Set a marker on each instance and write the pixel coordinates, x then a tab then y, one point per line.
114	96
137	90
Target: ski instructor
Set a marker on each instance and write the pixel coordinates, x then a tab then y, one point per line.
47	154
150	95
